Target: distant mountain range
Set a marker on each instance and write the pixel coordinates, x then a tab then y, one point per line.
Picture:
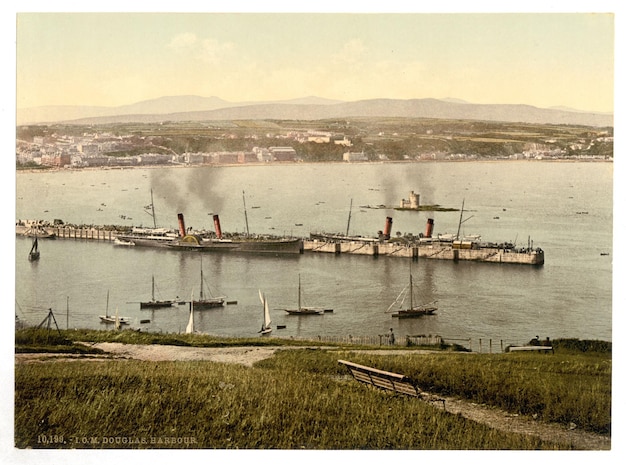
195	108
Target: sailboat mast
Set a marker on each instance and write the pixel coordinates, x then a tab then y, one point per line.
106	312
299	294
349	217
152	287
201	281
411	291
245	212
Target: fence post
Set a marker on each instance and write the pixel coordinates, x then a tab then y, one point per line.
489	345
480	345
501	346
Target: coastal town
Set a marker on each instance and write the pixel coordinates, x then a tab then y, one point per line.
82	147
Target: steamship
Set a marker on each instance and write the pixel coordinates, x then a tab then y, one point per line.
217	242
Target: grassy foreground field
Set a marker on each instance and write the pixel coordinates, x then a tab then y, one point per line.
302	398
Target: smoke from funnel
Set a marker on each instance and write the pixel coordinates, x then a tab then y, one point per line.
185	189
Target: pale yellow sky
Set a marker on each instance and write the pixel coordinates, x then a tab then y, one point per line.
114	59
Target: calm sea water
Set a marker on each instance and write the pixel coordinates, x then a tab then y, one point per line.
564	208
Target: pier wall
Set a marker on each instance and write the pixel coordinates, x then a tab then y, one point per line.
398	249
73	233
481	255
373	249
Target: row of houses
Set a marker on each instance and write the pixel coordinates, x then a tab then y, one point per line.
60	159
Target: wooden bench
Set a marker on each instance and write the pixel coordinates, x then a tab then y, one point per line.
389	381
531	349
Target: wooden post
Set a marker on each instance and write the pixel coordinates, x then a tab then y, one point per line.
489	345
480	346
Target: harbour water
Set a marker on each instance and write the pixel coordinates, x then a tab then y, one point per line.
564	208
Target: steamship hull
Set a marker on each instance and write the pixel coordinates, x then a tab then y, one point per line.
186	240
248	244
146	241
275	246
271	246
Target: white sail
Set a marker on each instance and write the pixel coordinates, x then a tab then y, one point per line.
190	329
265	327
266	315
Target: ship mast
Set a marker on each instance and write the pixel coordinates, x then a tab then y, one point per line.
349	216
151	207
152	204
458	232
245	212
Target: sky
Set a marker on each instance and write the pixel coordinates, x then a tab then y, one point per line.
109	59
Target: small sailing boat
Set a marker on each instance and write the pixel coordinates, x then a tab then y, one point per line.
206	302
118	320
302	310
413	311
267	321
33	255
157	303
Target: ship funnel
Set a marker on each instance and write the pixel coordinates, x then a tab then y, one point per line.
181	225
218	229
387	231
430	224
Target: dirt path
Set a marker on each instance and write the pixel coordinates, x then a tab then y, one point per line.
492	417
